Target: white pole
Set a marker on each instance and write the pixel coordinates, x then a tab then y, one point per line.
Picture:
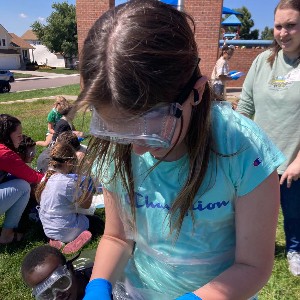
181	5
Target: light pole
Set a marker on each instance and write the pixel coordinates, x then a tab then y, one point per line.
181	5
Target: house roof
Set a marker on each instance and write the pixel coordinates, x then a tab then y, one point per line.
29	35
19	42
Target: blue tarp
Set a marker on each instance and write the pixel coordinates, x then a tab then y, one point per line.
228	11
231	21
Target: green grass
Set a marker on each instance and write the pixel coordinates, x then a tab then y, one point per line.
22	75
281	285
59	71
72	89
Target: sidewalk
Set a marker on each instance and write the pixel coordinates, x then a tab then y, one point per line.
38	74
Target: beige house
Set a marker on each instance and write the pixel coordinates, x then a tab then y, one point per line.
14	51
41	53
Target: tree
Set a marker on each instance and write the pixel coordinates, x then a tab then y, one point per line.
247	23
60	33
267	34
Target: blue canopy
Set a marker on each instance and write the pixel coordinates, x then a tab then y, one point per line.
228	11
231	21
171	2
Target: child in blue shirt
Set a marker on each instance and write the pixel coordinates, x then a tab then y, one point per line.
190	187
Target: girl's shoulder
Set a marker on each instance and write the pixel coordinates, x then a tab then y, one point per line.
262	58
232	131
6	152
4	148
61	177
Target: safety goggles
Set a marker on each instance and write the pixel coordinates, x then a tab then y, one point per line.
59	281
154	128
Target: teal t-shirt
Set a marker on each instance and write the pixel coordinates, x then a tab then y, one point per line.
272	96
163	269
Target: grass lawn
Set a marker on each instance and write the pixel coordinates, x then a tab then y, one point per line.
33	116
59	71
22	75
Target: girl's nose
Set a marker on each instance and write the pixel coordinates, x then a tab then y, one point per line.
139	150
283	32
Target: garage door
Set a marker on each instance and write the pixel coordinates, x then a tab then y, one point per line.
8	62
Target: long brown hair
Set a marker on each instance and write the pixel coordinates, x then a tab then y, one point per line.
283	4
137	55
8	125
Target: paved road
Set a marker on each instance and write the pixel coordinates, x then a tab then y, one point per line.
32	83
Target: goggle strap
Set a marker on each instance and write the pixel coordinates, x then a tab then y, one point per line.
187	89
177	110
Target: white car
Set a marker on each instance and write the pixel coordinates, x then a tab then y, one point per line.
7	75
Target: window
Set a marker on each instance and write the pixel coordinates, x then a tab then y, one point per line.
3	42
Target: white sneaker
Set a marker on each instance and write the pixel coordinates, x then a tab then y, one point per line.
294	262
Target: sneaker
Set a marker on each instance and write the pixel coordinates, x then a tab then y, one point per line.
294	262
74	246
56	244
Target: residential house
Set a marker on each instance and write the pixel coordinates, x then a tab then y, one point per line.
41	53
14	52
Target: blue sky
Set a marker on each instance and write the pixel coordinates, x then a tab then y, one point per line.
18	15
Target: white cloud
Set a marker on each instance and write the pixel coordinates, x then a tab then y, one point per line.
41	19
22	15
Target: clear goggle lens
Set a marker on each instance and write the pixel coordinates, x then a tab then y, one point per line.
154	128
59	281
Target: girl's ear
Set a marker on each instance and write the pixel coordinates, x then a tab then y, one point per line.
198	90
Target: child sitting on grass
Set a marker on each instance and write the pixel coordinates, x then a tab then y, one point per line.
67	137
59	194
46	270
66	124
52	118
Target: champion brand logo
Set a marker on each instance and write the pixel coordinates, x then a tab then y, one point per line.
257	162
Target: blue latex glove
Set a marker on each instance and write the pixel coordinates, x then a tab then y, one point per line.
189	296
98	289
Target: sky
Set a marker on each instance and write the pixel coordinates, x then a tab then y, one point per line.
18	15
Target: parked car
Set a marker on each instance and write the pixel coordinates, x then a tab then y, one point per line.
4	86
7	75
